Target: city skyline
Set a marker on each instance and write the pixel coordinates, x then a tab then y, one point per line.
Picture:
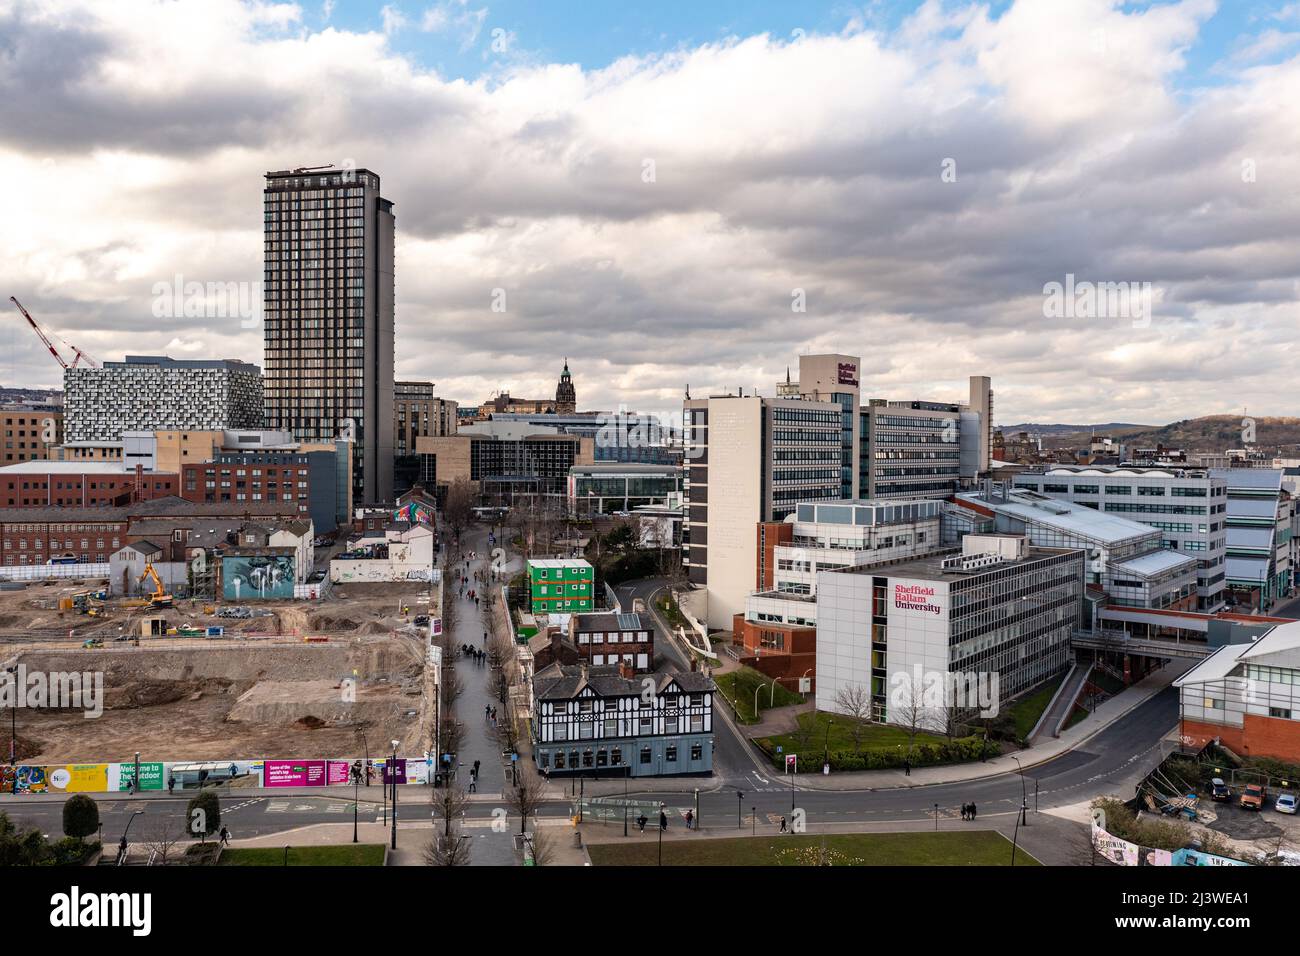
531	178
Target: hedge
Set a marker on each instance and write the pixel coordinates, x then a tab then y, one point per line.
957	750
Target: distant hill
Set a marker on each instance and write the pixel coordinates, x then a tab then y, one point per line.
1108	428
1210	433
1217	432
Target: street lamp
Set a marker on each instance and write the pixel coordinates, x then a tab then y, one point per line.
394	776
739	797
826	749
697	808
1024	792
13	720
135	784
663	825
121	850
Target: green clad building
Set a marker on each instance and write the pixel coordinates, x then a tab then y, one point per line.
561	586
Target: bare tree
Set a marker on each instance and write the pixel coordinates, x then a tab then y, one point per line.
907	706
447	849
527	796
544	847
453	734
449	803
854	702
161	836
458	506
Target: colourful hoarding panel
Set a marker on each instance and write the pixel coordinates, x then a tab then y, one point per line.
152	776
294	773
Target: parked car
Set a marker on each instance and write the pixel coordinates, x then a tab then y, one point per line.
1219	790
1285	803
421	620
1252	798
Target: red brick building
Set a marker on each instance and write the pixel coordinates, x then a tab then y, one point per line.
35	536
56	484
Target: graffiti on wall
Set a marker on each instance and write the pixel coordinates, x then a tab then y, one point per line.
250	577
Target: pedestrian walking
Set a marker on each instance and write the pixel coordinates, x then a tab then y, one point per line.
783	827
690	819
907	767
225	836
965	810
487	711
171	784
972	811
640	825
663	820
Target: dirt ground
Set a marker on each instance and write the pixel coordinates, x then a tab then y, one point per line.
260	691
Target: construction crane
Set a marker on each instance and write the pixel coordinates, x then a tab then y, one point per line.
79	356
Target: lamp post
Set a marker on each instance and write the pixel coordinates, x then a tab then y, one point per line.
739	797
826	747
13	721
356	799
135	784
662	826
697	808
394	776
121	850
936	817
1024	793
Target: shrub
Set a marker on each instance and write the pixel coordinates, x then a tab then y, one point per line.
203	815
80	816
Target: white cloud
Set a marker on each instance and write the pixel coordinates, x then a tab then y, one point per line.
779	164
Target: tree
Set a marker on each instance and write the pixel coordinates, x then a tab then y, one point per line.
527	796
542	842
458	506
160	837
622	537
80	816
854	702
449	803
447	849
203	814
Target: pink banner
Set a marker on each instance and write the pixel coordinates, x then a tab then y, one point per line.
293	773
338	771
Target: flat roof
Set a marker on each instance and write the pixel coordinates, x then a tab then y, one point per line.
1065	516
1156	562
42	466
931	565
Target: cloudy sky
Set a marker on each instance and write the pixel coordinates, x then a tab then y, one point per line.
655	188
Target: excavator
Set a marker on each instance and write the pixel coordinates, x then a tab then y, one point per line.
159	597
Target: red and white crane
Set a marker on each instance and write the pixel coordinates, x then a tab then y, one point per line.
79	356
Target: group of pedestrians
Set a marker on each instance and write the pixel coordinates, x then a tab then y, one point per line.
968	811
490	713
474	654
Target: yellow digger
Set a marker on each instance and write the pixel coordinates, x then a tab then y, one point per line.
159	597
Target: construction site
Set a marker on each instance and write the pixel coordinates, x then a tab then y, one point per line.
189	680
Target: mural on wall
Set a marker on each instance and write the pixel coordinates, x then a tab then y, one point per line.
250	577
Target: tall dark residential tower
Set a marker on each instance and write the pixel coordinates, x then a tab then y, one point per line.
566	398
328	305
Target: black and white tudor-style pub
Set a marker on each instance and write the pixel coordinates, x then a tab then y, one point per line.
612	721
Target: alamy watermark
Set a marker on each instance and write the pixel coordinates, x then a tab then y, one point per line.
53	690
180	299
942	691
1098	300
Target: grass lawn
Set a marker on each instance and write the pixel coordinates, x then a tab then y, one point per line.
874	737
739	686
1027	711
347	854
1076	715
671	613
978	848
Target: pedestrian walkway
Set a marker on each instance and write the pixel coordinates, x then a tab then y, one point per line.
477	695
